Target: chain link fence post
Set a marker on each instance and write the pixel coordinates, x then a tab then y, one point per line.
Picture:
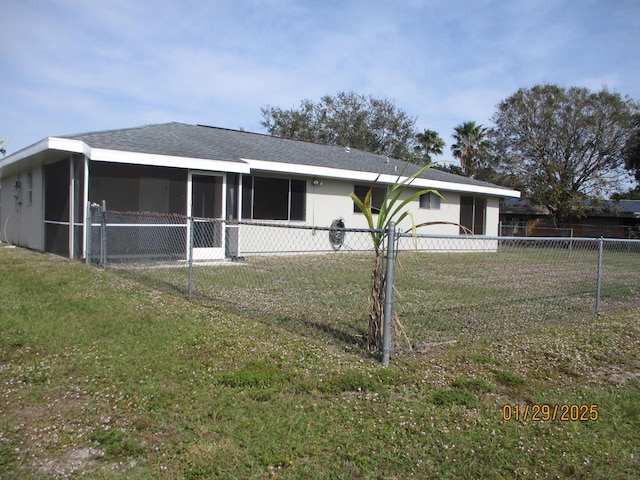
103	235
599	276
87	234
190	253
388	294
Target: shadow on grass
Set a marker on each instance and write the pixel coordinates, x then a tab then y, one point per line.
355	338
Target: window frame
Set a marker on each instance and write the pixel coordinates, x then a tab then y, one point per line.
377	197
296	198
474	219
430	201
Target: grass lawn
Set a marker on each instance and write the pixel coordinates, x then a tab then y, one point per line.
104	377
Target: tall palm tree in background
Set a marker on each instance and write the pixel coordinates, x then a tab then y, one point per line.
470	147
429	143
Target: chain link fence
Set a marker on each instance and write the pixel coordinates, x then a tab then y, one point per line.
316	281
535	229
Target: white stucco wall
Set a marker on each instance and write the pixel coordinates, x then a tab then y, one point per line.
329	199
22	223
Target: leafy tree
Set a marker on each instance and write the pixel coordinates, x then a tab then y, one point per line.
633	194
471	146
451	168
429	143
632	149
347	119
563	144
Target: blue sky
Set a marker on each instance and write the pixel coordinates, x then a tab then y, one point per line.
71	66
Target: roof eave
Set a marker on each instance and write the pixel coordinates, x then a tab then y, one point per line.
356	175
150	159
119	156
49	143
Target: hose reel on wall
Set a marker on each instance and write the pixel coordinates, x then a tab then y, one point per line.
337	233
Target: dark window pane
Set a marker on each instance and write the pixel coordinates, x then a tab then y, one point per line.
377	197
270	198
247	197
472	215
206	195
56	203
232	195
466	214
138	187
430	201
298	193
360	192
478	216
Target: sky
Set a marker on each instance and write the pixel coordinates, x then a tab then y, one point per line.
74	66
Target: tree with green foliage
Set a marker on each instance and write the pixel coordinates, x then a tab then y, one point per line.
632	194
347	119
632	149
562	144
450	168
428	143
470	147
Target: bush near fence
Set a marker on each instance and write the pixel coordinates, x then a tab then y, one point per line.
447	288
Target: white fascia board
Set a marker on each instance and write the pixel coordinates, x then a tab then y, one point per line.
337	173
68	145
117	156
49	143
26	152
465	188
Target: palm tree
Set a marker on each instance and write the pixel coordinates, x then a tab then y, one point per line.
429	143
471	146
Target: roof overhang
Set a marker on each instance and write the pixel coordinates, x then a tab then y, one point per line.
355	175
116	156
39	153
54	144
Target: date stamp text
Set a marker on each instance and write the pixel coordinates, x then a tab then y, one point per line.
550	413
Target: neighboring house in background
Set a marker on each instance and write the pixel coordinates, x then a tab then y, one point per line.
611	218
209	172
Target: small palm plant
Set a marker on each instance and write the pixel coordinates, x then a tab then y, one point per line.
393	209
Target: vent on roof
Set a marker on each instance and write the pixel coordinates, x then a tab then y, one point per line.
347	149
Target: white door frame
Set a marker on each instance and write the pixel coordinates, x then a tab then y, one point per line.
208	253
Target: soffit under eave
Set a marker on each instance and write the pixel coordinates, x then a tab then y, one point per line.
34	161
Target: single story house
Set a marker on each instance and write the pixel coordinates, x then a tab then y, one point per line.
208	172
608	218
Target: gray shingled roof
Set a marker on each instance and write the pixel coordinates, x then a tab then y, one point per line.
620	208
212	143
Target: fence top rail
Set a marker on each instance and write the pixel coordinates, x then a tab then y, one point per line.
399	234
146	214
184	218
517	239
303	227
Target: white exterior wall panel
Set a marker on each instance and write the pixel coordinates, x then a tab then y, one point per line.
329	199
22	221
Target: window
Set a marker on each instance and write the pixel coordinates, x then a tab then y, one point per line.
268	198
472	215
377	197
430	201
